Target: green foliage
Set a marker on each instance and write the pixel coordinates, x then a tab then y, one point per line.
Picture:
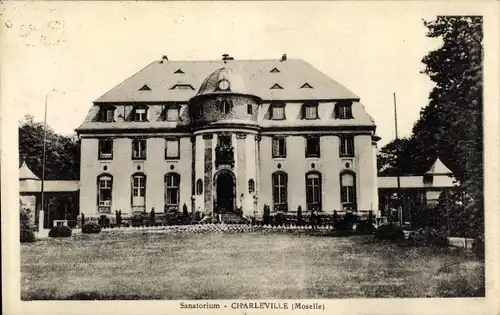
450	126
60	231
62	153
91	227
389	232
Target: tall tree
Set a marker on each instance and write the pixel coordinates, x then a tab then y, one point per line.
62	153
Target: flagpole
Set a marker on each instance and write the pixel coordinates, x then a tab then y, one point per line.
400	214
41	220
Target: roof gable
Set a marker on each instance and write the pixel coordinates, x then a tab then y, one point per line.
25	172
438	168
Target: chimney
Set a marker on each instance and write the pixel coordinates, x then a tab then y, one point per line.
283	58
227	57
165	58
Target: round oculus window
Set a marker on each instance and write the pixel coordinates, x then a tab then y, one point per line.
224	85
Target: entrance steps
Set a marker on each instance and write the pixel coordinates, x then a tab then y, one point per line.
231	218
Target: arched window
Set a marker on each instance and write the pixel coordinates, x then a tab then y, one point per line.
138	192
280	191
313	191
172	181
348	190
104	193
251	186
199	186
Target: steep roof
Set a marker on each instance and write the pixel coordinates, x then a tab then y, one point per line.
25	173
438	168
258	76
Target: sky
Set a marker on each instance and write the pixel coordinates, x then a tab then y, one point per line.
76	51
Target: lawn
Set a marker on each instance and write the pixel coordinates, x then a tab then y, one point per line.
148	265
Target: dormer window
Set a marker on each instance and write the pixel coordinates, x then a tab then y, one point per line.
275	70
276	87
310	111
182	87
107	114
306	86
140	114
172	113
145	87
278	111
179	71
225	106
343	111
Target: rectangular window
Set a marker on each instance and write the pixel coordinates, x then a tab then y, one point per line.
280	201
249	109
278	112
311	112
172	148
107	114
139	149
279	147
172	181
172	114
347	146
140	114
312	147
347	191
343	111
313	192
104	194
105	149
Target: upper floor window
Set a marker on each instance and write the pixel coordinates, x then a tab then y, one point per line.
278	111
279	147
107	114
224	140
225	106
140	114
105	149
139	149
249	109
347	146
310	111
312	147
343	111
172	113
172	148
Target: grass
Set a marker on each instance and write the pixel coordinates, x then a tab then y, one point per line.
143	265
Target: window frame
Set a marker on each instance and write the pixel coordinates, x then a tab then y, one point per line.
349	193
316	203
107	114
199	186
103	207
318	146
145	150
222	108
307	106
174	108
344	142
100	155
135	116
343	114
279	186
176	185
275	106
279	140
249	109
178	141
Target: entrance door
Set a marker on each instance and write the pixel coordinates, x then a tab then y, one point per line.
139	193
225	192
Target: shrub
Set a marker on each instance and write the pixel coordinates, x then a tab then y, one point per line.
279	219
478	246
389	232
60	231
185	210
103	221
27	235
91	227
267	214
299	215
347	222
364	227
427	236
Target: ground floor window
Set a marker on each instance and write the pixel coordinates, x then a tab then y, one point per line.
104	193
348	191
280	194
313	191
138	192
172	181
